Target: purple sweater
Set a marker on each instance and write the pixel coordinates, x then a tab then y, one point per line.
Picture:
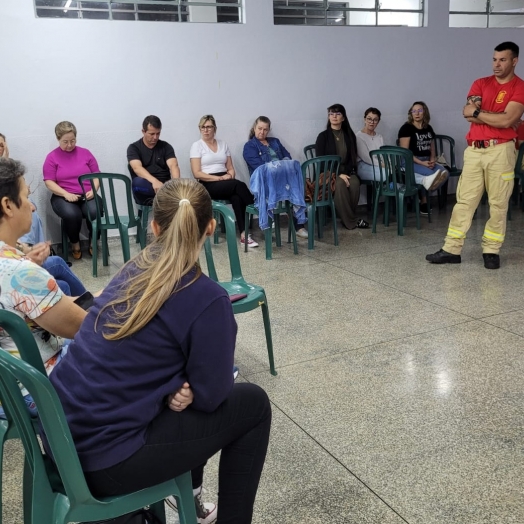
112	390
65	167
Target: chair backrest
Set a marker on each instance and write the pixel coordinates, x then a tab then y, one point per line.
445	145
316	170
51	414
310	152
519	167
393	166
111	185
228	220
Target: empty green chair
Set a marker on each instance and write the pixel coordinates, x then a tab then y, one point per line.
256	296
322	197
108	215
309	152
394	178
56	492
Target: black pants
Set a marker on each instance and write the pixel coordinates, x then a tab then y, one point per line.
236	192
179	442
73	213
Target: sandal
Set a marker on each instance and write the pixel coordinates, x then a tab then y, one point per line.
77	254
362	224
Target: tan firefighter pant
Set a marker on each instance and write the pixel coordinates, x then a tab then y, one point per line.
492	169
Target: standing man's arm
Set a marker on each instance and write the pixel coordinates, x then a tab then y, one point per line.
172	164
506	119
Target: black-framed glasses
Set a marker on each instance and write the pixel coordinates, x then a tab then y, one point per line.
373	120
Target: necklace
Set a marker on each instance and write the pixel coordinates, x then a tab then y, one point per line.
337	136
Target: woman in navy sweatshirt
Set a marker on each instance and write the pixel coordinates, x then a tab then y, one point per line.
147	386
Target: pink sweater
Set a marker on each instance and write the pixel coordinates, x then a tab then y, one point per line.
64	168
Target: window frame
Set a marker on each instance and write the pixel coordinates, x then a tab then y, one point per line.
488	12
182	11
295	5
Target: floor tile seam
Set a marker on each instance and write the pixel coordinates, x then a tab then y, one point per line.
323	448
502	328
343	352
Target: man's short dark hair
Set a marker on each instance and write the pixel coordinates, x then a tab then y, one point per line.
11	173
152	121
508	46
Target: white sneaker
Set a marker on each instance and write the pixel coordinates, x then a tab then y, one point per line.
435	180
250	242
206	511
302	233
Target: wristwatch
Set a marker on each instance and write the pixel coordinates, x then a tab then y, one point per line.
476	113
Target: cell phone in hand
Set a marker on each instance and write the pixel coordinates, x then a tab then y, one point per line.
85	301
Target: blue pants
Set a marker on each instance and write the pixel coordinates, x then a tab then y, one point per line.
422	171
67	281
365	171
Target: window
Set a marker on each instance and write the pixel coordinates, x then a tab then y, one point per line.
486	13
352	12
222	11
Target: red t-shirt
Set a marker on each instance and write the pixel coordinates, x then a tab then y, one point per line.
495	98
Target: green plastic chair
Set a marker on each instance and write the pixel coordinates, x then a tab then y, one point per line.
309	152
283	207
219	221
107	214
58	493
445	145
394	178
256	296
65	242
323	195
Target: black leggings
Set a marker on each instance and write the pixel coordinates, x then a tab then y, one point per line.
179	442
236	192
72	214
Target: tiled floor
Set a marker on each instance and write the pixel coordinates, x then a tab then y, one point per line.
399	396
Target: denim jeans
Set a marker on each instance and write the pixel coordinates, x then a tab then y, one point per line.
180	442
365	171
67	281
422	171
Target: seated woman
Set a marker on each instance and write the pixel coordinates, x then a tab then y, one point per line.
161	326
261	149
339	139
26	289
368	140
62	167
211	165
418	136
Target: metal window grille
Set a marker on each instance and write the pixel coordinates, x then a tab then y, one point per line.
486	13
352	12
223	11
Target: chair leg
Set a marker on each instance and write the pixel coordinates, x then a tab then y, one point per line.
158	509
124	239
65	243
105	248
185	500
291	233
269	339
278	233
386	211
311	216
269	241
215	238
335	232
246	233
417	212
375	211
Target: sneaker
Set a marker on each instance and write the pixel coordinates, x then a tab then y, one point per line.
443	257
302	233
424	209
491	260
235	372
435	180
250	242
206	511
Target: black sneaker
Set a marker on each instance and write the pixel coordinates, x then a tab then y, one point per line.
423	209
443	257
491	261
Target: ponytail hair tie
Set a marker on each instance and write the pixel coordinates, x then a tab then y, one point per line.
183	200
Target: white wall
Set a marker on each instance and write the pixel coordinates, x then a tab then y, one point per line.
106	76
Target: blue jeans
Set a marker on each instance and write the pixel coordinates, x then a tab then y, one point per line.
67	281
422	171
365	171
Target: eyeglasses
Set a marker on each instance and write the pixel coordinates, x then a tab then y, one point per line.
68	142
415	111
334	113
207	128
373	120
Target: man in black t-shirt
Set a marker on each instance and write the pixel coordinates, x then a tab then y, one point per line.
152	162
